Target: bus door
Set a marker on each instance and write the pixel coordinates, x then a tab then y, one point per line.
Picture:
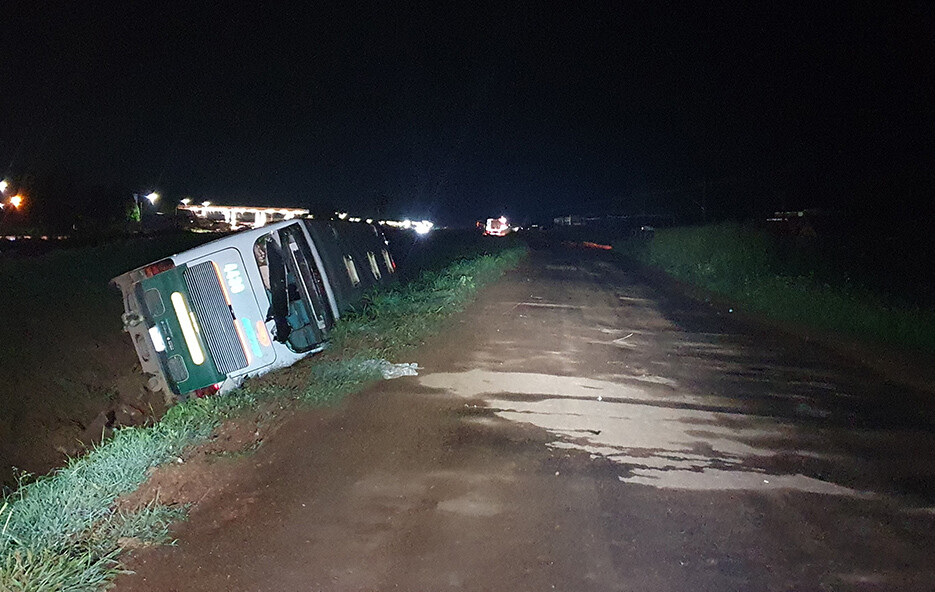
295	288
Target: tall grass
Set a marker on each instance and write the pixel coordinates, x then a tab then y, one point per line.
62	533
783	280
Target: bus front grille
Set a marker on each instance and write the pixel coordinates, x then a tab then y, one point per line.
215	318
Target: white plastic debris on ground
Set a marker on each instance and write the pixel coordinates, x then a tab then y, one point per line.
390	370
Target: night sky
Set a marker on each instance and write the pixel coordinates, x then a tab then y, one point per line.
461	113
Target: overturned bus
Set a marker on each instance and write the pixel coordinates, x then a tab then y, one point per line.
248	303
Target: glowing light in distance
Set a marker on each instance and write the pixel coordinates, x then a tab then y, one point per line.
423	227
152	197
16	201
3	185
186	201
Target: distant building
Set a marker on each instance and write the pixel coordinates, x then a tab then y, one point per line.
613	221
576	220
234	217
572	220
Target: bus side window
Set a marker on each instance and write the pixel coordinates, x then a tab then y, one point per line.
259	253
390	264
374	268
351	269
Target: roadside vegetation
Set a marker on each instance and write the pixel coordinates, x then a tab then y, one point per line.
785	279
62	532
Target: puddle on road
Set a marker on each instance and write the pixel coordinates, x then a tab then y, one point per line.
668	446
476	382
649	378
635	300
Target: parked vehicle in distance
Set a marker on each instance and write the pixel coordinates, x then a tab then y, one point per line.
497	227
261	299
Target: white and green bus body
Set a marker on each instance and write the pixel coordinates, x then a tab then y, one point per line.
250	302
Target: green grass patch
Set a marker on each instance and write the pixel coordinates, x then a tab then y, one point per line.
62	533
785	281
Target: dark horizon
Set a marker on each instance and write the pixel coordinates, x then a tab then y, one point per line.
459	114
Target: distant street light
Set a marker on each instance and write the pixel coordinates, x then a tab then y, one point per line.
186	201
205	204
16	201
422	227
139	211
3	186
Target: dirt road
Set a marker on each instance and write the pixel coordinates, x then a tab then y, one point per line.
578	429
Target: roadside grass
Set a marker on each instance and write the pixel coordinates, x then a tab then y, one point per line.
398	318
62	533
784	281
